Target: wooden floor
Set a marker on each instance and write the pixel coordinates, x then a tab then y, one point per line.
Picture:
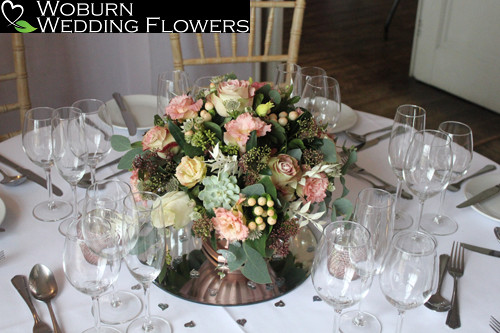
346	39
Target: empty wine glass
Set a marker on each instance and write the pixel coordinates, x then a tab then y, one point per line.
408	120
201	87
98	131
342	266
69	152
170	84
105	199
145	260
305	73
91	270
287	78
409	271
461	146
321	96
375	211
427	167
37	144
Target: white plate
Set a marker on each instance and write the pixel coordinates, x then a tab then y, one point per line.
489	207
142	107
2	211
347	119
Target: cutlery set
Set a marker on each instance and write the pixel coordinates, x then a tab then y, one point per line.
42	285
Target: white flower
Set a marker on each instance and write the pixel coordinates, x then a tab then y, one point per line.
177	208
223	163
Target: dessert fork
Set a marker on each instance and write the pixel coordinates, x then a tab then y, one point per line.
495	324
456	270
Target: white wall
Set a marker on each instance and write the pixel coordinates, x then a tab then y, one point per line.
63	68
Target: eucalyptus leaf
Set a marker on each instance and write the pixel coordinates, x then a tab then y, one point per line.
120	143
127	159
329	151
255	189
255	267
269	187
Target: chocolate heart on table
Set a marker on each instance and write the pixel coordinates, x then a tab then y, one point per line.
12	14
241	322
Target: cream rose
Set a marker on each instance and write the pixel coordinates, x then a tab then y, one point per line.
176	209
191	171
285	170
159	139
236	92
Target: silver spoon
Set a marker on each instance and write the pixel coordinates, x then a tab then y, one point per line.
456	186
437	302
362	137
12	180
497	232
43	287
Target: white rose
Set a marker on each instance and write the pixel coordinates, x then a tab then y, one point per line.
176	210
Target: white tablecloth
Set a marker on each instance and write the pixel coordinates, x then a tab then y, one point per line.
27	241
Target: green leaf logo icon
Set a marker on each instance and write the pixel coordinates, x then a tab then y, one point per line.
23	26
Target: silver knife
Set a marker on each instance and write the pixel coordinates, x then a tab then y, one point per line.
372	142
481	196
127	116
481	250
31	175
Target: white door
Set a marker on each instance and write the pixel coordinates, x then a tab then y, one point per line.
457	48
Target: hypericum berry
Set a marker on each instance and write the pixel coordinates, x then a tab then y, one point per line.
261	226
252	225
270	212
209	106
283	121
262	201
271	221
270	203
259	220
258	210
251	202
205	115
293	115
283	114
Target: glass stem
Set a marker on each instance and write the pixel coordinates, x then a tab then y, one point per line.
420	212
359	319
336	320
75	201
147	326
92	174
97	313
441	202
399	325
48	177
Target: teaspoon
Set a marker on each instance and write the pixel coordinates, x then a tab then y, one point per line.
437	302
43	287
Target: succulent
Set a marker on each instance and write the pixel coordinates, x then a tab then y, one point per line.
219	191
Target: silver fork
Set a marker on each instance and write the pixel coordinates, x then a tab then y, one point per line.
2	255
456	269
495	324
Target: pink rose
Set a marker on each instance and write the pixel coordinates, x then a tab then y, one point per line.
230	225
285	170
315	188
238	130
134	180
258	85
183	107
160	140
232	95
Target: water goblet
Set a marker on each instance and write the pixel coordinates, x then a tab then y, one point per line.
98	131
409	271
287	79
374	210
408	120
105	199
461	146
37	144
321	96
69	152
146	256
342	266
91	269
170	85
427	167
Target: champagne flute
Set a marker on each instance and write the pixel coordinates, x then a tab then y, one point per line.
145	260
461	145
91	269
375	211
105	199
69	152
409	271
98	131
428	164
37	144
342	266
408	120
321	96
287	78
170	84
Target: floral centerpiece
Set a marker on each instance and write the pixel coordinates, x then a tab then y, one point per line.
244	164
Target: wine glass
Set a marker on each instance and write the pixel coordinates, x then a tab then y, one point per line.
91	269
408	120
461	146
342	266
98	131
428	164
375	211
305	74
170	84
321	96
69	152
145	260
37	144
288	77
105	199
409	271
